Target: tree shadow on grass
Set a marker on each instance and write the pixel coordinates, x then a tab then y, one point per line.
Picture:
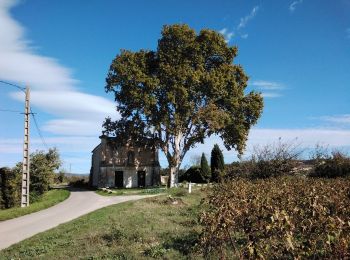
185	244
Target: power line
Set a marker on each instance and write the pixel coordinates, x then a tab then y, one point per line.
13	85
38	129
31	112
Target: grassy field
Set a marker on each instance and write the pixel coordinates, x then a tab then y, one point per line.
130	191
49	199
159	227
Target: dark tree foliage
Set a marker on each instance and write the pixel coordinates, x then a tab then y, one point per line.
205	169
336	165
185	91
217	163
42	170
10	181
193	174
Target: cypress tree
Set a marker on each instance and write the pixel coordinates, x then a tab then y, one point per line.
205	169
217	163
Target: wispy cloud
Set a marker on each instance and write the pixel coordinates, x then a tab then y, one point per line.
269	89
340	119
228	34
294	5
244	20
267	85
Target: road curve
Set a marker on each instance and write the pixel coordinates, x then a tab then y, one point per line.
80	202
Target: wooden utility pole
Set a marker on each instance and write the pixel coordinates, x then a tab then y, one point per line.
26	162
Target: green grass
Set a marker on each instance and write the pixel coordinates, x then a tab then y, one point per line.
49	199
144	229
130	191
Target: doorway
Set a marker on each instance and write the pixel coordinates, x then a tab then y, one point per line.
119	179
141	177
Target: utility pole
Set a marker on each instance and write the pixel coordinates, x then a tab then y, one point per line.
25	169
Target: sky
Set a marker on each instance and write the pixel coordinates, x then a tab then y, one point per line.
296	53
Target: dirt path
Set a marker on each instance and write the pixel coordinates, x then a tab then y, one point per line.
80	202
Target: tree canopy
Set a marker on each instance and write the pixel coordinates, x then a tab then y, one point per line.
185	91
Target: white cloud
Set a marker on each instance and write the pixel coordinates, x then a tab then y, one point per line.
307	138
294	4
269	89
267	85
227	35
53	88
243	22
341	119
74	114
271	95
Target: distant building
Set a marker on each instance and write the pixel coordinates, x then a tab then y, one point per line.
128	166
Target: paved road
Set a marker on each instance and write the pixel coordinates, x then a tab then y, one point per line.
79	203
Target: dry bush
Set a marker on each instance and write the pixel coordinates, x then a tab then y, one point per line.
278	218
336	165
271	160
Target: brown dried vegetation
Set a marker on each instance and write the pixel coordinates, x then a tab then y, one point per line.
278	218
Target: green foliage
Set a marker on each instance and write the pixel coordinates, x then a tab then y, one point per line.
193	174
278	218
217	163
181	93
10	180
42	167
79	182
205	169
337	165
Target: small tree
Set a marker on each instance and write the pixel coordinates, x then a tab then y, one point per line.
205	169
42	167
217	163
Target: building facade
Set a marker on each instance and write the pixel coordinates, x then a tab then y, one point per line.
128	166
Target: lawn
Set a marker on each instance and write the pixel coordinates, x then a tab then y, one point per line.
158	227
49	199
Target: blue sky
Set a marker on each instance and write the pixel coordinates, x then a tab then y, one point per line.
297	53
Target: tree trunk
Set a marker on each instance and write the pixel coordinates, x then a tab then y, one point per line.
175	162
174	176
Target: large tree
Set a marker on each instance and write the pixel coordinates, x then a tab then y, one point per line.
185	91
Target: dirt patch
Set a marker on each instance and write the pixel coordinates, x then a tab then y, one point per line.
173	201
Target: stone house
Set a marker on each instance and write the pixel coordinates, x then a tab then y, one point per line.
127	165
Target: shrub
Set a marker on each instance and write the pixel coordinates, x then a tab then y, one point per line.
337	165
79	182
10	180
266	161
278	218
193	174
42	167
